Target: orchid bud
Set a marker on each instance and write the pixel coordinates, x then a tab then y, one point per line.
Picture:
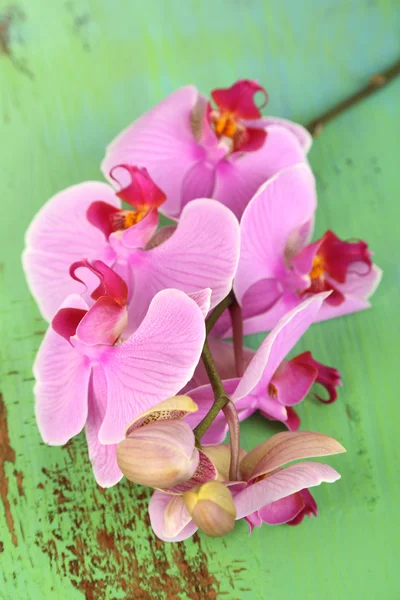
212	508
159	454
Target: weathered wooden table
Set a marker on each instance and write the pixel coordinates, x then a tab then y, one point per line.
72	74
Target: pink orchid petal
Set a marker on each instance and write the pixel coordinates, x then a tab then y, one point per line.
282	483
198	182
239	179
59	235
202	253
139	235
270	406
303	260
303	136
268	320
103	323
203	300
103	457
260	297
293	420
162	140
281	206
286	447
253	520
169	518
283	510
154	363
310	508
276	346
61	388
357	290
293	381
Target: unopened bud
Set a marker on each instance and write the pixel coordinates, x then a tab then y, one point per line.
160	454
212	508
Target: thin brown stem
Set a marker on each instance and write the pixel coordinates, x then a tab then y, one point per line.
376	82
232	418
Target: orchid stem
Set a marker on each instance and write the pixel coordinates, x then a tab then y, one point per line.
232	418
376	82
220	396
218	310
237	331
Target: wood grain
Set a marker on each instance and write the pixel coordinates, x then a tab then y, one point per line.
72	74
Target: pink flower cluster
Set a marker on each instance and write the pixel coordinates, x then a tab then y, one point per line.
129	355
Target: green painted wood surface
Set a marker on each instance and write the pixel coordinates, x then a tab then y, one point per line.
72	74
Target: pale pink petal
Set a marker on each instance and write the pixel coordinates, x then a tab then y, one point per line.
239	178
202	253
282	483
280	207
103	457
169	518
138	235
286	447
202	299
103	323
61	388
276	346
303	136
161	140
283	510
268	320
198	182
357	290
59	235
154	363
261	297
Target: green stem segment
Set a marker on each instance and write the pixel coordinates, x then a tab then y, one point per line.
218	310
220	397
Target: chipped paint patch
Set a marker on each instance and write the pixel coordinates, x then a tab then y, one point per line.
110	545
11	20
7	454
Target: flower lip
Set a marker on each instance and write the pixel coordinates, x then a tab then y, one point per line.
333	261
111	284
235	106
239	99
137	188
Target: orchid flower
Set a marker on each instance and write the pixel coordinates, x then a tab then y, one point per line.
266	490
278	267
87	220
89	373
193	150
270	384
